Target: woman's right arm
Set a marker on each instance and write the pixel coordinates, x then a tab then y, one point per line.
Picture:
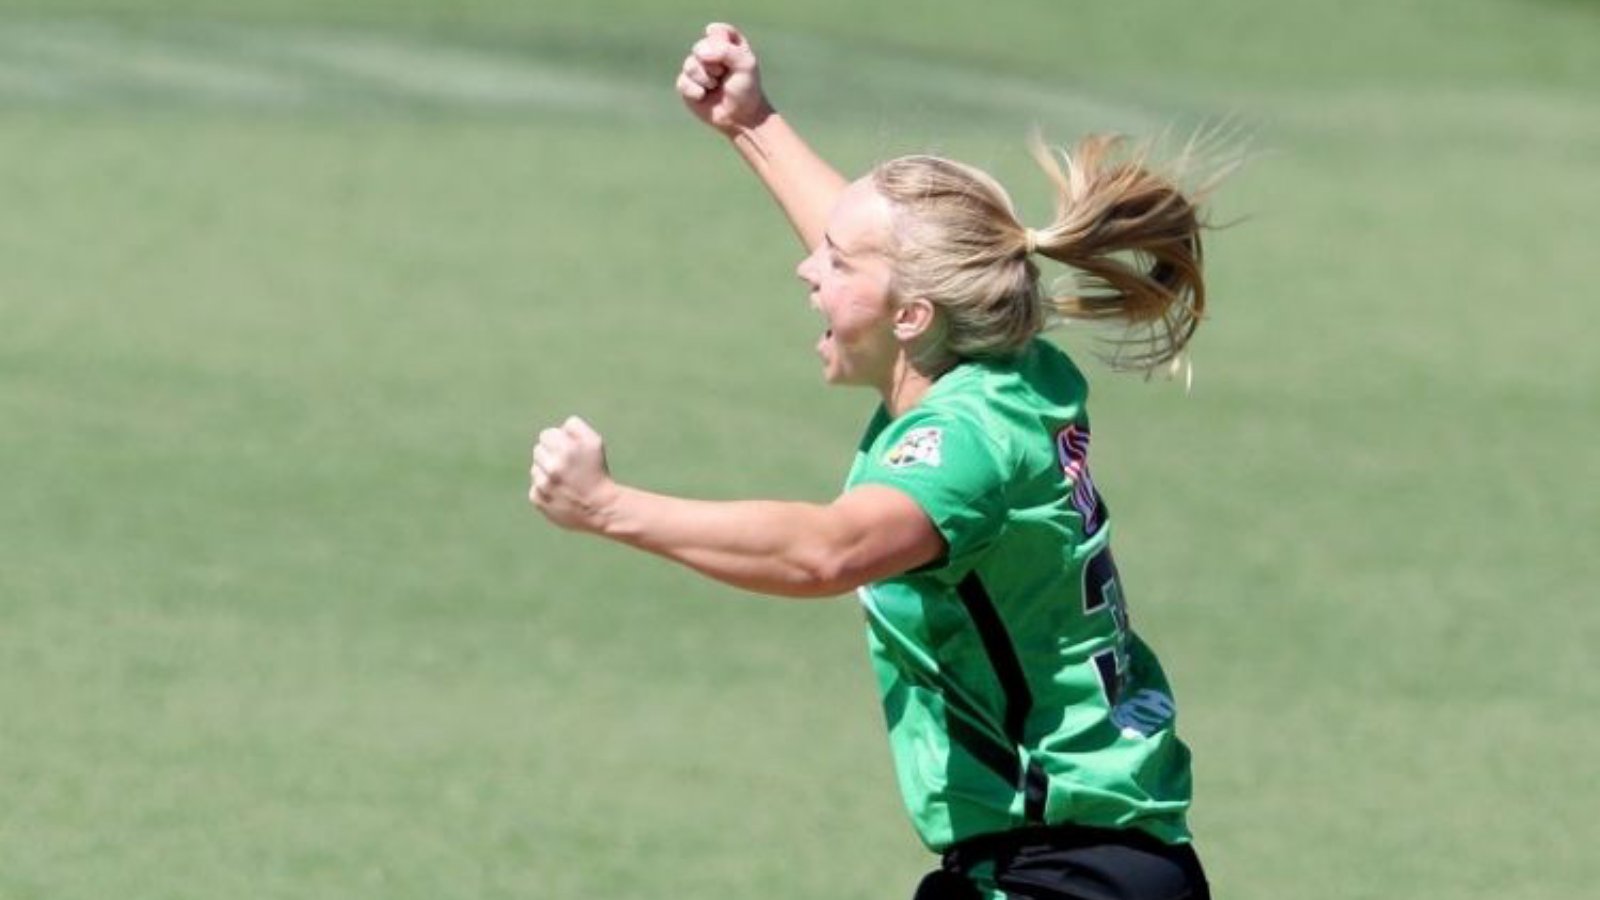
721	84
771	547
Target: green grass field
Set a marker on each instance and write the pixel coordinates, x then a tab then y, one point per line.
287	288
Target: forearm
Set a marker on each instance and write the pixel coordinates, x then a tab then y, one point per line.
770	547
866	534
802	182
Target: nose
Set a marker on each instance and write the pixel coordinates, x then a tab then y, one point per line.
804	269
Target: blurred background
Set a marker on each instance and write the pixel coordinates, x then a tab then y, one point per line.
287	287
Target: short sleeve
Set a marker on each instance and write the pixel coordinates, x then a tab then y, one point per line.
952	468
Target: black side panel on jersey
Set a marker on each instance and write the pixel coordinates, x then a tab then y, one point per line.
1008	669
1002	654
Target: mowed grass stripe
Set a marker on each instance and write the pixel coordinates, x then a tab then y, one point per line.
1473	119
23	80
85	62
446	73
188	63
105	63
906	86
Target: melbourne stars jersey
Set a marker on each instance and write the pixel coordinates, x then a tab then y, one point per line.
1015	691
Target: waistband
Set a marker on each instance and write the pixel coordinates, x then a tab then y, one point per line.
1002	845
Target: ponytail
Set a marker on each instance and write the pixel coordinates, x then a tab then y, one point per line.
1132	238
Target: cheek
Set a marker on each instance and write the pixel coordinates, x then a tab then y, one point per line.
867	304
847	315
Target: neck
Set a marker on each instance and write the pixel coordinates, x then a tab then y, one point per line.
910	382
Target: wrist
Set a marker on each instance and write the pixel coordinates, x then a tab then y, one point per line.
608	515
754	121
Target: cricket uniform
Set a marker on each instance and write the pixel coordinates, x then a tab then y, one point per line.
1016	693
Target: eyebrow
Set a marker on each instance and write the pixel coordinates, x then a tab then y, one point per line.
834	245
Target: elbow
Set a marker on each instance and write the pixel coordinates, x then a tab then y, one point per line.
814	588
819	572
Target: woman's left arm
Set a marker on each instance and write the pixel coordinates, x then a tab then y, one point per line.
772	547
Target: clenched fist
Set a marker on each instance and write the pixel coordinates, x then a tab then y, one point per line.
721	82
572	485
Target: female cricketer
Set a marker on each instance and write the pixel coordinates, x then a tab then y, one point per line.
1032	730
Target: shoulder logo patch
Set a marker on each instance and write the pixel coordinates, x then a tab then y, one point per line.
919	446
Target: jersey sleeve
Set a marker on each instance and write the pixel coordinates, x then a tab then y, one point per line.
952	469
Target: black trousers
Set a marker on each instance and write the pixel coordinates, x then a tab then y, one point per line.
1071	863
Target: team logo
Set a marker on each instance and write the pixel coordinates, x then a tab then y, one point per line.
1072	452
920	446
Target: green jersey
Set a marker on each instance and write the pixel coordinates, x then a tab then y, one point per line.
1016	693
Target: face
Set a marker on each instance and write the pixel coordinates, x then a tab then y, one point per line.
848	276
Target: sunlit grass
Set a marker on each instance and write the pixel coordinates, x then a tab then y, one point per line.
286	290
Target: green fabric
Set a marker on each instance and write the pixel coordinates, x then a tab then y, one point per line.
981	455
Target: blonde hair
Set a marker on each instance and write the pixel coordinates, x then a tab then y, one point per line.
1130	235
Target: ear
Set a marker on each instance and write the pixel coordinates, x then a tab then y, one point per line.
913	318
